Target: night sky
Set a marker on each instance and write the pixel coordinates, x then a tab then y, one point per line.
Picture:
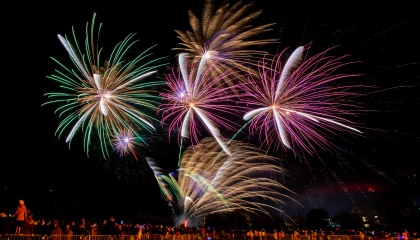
51	177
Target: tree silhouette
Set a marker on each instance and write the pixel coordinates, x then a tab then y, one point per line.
318	219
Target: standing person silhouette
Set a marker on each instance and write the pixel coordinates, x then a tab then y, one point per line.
21	215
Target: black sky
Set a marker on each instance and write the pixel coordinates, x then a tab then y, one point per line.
40	168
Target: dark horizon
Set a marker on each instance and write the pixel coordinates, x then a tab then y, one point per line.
49	175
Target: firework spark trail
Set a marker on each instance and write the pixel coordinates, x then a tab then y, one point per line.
163	185
232	183
192	98
225	38
301	101
104	99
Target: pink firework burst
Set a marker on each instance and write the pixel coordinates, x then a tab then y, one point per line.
298	103
124	143
193	102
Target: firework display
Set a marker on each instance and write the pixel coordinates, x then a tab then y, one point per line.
298	101
235	107
193	98
211	181
225	38
103	101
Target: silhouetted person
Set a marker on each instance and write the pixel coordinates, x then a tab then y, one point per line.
68	232
28	225
5	222
42	228
110	227
56	230
20	216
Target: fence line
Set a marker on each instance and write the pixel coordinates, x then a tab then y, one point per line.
209	236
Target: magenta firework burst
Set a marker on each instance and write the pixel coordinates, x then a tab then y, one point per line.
124	142
297	103
194	104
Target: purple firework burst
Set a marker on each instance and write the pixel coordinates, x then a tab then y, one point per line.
193	102
298	103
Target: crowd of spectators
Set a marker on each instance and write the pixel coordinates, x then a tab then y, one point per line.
111	227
